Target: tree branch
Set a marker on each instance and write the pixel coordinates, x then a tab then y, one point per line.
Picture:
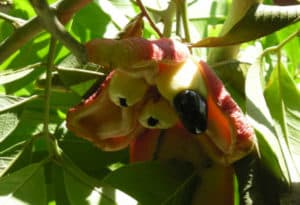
53	25
64	11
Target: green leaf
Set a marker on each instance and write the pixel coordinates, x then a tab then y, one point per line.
78	78
291	48
80	193
232	73
6	30
8	102
260	20
32	52
8	156
90	158
283	99
260	118
8	123
83	189
10	76
15	156
26	186
23	81
24	9
90	22
153	182
57	185
73	76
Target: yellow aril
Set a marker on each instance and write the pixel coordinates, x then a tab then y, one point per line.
125	90
158	114
172	79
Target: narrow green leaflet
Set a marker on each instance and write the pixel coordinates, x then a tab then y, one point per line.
10	76
8	123
8	156
283	99
76	77
154	182
260	118
8	102
14	157
24	187
260	20
73	76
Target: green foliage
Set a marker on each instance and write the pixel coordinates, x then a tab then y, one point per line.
173	185
17	188
80	173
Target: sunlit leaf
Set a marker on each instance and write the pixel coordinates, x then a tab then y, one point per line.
13	75
83	189
260	118
283	99
291	48
14	157
9	102
22	81
259	21
90	22
8	122
153	182
26	186
8	156
81	193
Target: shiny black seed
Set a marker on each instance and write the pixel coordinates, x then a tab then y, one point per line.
192	110
122	102
152	121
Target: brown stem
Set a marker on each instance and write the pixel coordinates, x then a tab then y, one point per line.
145	13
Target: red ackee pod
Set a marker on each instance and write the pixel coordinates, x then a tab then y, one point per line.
228	128
226	136
103	123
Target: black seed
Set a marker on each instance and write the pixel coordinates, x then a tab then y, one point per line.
192	111
122	102
152	121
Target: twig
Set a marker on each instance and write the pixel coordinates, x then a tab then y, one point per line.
145	13
47	95
280	45
183	10
52	24
64	10
167	16
16	22
53	148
